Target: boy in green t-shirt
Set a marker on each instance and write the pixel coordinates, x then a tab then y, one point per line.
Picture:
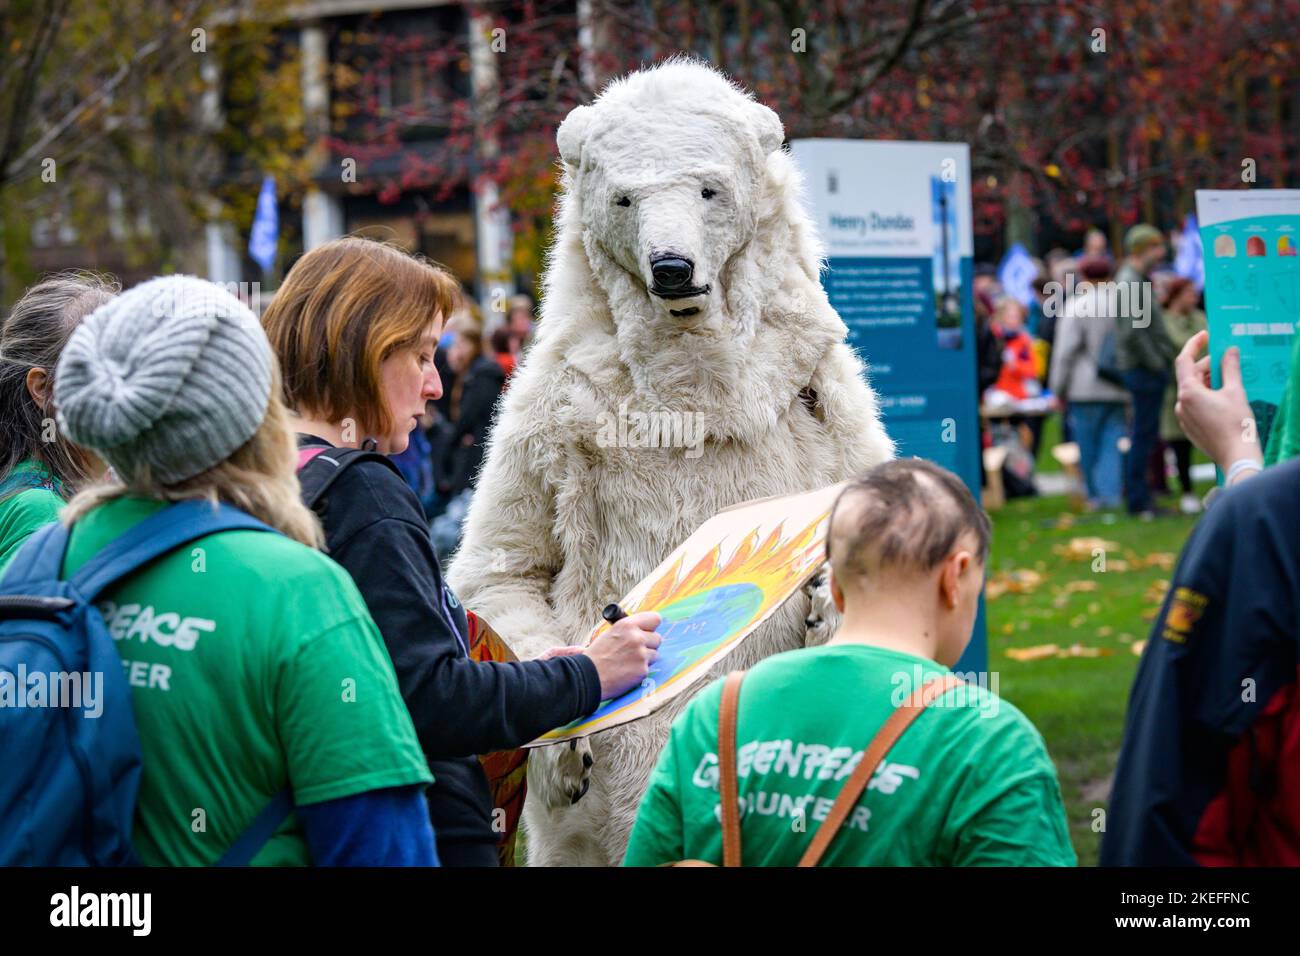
968	783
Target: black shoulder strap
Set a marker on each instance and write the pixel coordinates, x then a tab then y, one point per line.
322	470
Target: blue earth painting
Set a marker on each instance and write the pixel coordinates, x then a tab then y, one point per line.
692	628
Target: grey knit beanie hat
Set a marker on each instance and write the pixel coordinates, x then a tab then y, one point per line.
174	374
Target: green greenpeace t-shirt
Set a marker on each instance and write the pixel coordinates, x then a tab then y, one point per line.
254	665
24	512
969	782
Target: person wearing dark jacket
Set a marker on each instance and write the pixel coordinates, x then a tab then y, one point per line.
1209	772
480	381
988	348
355	325
1145	354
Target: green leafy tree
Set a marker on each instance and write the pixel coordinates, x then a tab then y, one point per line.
118	124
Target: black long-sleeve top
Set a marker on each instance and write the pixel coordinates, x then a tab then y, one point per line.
376	529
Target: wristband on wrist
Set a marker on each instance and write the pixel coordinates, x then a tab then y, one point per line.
1239	466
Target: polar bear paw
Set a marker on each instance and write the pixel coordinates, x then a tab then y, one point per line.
565	773
822	619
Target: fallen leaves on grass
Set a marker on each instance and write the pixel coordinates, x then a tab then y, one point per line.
1080	650
1042	652
1155	594
1074	586
1019	581
1137	647
1062	597
1084	549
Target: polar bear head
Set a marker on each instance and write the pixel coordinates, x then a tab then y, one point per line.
668	167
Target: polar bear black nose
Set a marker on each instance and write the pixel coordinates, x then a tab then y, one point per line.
671	272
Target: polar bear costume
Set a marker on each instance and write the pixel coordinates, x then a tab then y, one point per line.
682	291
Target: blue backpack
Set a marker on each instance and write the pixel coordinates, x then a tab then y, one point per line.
68	789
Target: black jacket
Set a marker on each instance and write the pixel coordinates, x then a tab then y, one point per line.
376	529
1207	772
988	357
478	397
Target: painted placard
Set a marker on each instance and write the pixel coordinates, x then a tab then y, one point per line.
713	591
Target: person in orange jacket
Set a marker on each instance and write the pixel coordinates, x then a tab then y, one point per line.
1019	375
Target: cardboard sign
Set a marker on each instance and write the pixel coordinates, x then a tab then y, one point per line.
507	770
713	591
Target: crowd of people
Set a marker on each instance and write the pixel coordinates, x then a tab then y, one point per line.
300	671
1099	336
304	701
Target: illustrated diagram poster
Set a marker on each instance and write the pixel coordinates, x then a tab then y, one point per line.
713	590
1252	286
896	221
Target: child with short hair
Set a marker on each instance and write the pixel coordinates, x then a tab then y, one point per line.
968	783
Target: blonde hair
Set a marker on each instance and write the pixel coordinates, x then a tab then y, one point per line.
258	478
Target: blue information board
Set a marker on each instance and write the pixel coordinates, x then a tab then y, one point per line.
896	221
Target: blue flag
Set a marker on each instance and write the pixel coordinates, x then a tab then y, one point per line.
1190	263
1017	273
265	235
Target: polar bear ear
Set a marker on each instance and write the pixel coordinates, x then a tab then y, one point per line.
573	133
768	126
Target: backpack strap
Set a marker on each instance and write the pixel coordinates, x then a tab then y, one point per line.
728	785
257	833
40	558
885	738
320	466
155	536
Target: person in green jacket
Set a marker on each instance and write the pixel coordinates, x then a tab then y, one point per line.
39	468
1182	320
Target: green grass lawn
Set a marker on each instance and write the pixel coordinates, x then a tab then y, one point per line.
1077	703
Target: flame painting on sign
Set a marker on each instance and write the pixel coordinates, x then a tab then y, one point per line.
728	591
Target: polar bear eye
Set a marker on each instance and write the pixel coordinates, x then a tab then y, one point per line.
624	202
707	193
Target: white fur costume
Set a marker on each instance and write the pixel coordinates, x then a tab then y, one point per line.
672	161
